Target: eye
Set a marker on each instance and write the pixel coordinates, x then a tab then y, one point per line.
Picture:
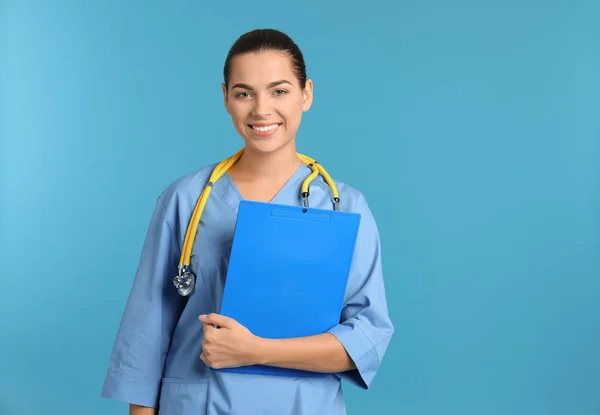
280	91
243	95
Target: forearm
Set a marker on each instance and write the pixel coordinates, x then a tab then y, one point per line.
141	410
319	353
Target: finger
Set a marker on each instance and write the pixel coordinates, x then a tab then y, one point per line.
208	328
217	319
214	319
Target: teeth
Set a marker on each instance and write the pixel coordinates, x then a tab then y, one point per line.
266	127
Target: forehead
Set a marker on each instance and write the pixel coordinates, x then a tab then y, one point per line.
260	68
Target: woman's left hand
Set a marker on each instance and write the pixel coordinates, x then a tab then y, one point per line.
230	345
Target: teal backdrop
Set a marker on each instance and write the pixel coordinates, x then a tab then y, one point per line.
472	127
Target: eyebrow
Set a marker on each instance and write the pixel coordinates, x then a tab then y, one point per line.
271	85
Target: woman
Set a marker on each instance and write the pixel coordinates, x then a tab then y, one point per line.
166	344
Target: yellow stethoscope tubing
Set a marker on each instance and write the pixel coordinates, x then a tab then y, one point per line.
319	169
221	169
218	171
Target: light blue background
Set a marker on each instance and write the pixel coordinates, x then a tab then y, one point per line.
472	127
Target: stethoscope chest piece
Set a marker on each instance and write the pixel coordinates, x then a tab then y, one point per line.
184	282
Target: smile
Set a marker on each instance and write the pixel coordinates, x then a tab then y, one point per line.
264	128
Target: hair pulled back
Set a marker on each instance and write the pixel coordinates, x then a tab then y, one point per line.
266	40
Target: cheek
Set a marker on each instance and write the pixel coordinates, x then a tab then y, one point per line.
294	115
239	115
238	118
236	112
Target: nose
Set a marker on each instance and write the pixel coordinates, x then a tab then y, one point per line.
262	107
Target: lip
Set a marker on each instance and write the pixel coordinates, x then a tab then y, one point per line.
263	124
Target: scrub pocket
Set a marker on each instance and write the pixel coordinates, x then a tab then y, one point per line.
180	397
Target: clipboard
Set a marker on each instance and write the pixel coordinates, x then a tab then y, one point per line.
288	272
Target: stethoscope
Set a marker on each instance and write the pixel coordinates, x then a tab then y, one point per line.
185	281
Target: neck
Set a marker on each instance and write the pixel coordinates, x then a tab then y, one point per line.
276	166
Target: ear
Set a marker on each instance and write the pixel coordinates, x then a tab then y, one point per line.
307	98
225	98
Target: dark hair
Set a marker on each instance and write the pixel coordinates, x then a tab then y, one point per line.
267	39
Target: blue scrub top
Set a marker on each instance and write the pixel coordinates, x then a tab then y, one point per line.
155	358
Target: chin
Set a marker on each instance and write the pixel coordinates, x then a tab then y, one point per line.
265	147
268	146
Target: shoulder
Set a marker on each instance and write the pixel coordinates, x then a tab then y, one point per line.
191	183
181	195
351	198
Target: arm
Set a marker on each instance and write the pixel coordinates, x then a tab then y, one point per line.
153	307
233	345
355	347
365	329
141	410
320	353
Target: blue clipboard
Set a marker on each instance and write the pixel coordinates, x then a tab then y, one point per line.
288	273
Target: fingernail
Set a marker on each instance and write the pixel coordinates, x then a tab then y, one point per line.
202	316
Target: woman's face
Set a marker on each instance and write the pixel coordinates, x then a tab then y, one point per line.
265	100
